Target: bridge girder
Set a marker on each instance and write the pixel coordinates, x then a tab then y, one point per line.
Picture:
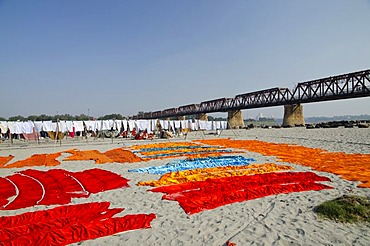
351	85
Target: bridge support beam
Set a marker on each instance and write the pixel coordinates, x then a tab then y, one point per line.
235	119
293	115
202	117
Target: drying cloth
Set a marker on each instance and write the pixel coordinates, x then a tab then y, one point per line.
31	187
36	160
202	174
78	125
114	155
195	197
353	167
68	224
196	163
5	159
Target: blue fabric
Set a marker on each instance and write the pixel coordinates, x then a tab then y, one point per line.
187	164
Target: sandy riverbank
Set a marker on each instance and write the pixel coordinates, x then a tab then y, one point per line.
284	219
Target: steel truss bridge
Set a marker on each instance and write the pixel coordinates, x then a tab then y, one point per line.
351	85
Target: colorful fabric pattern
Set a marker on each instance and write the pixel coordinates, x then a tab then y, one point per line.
352	167
195	197
179	149
202	174
188	164
68	224
31	187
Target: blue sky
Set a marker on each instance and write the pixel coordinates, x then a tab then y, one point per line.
117	56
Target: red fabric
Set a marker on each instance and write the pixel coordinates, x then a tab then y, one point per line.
68	224
55	186
72	133
7	190
195	197
30	192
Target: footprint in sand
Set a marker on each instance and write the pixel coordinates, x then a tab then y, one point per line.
300	231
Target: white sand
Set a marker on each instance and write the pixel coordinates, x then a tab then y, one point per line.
285	219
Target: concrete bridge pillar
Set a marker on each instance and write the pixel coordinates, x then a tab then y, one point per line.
293	115
202	117
235	119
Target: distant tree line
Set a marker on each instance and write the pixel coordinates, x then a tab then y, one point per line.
65	117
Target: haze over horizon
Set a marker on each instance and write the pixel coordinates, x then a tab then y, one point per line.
104	57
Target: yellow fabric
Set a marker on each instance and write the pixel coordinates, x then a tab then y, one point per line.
215	172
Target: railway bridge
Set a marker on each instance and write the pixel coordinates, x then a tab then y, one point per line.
339	87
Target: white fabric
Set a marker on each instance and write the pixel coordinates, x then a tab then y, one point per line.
90	125
177	124
193	126
202	125
209	125
38	126
11	126
218	125
18	127
106	125
143	125
62	126
124	124
54	126
69	125
223	125
3	126
98	125
79	126
48	126
154	125
131	125
172	125
165	125
28	127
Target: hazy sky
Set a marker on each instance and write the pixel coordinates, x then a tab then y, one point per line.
117	56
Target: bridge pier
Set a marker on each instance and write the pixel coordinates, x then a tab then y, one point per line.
235	119
202	117
293	115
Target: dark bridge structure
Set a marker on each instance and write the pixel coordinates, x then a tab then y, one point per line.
345	86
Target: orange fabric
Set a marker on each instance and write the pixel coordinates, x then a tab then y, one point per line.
353	167
5	159
120	155
36	160
85	155
114	155
68	224
163	145
202	174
